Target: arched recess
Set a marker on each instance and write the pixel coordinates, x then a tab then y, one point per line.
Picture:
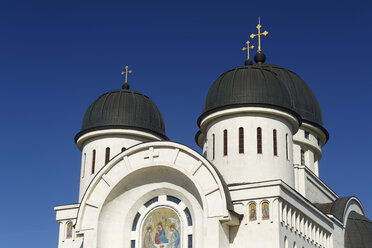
210	190
352	204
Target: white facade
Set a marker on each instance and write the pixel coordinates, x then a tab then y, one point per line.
230	197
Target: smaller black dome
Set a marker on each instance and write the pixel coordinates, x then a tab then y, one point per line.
123	109
251	85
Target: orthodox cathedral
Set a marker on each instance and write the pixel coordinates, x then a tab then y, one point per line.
256	183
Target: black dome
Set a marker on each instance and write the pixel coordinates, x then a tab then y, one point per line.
121	109
303	99
252	85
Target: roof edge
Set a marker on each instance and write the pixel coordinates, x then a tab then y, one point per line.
85	131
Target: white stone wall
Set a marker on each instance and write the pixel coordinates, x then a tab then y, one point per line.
118	192
311	144
250	166
291	218
116	140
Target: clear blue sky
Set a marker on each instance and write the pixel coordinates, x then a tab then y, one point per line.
57	57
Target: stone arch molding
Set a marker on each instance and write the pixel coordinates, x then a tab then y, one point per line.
352	205
189	163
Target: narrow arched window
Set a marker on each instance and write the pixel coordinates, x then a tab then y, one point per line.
123	149
286	147
69	230
275	145
107	156
213	146
83	165
93	161
285	242
241	140
259	140
302	157
252	212
225	142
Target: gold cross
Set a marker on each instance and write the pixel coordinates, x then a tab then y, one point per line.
247	48
265	33
126	73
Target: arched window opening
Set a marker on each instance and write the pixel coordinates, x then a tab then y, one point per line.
213	146
275	145
265	211
107	156
123	149
93	161
252	212
189	241
241	140
173	199
225	142
307	135
294	245
69	230
286	147
188	216
302	157
135	221
259	140
153	200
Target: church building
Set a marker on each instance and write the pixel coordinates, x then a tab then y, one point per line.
256	183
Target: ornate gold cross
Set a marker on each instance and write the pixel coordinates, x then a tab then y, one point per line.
126	72
247	48
265	33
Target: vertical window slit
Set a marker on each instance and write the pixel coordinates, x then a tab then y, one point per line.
241	140
93	160
275	145
286	147
189	241
302	157
259	140
107	156
225	142
213	146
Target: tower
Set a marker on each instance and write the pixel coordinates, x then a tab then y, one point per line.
117	120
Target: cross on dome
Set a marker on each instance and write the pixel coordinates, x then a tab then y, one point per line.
126	72
247	48
265	33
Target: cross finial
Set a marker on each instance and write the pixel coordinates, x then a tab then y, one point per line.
247	48
126	72
265	33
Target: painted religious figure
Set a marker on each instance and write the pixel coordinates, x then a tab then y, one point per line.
174	241
160	237
265	211
148	242
69	230
161	229
252	212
